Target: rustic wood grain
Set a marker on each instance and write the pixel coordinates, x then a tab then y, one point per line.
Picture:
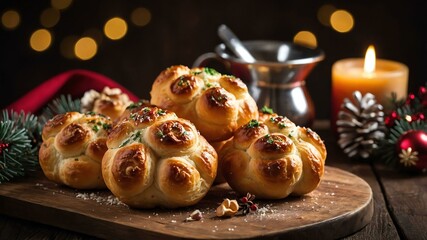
406	195
13	228
381	225
341	205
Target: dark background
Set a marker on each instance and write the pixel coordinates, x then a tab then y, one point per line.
179	31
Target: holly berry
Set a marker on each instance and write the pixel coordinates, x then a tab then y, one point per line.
389	120
422	93
416	117
3	146
410	99
253	207
420	116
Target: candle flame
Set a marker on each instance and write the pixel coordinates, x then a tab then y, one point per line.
369	66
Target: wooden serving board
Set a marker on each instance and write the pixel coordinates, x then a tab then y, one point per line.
341	205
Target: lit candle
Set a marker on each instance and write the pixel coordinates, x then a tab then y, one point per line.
377	76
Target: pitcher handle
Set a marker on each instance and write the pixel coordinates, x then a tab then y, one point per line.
204	59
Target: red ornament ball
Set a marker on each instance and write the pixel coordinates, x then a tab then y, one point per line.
412	150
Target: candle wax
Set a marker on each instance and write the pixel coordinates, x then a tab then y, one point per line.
348	76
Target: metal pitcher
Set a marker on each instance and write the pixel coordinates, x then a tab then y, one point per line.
276	79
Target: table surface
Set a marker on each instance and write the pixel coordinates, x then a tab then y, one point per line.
400	201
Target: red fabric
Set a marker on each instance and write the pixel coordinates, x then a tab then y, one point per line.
74	82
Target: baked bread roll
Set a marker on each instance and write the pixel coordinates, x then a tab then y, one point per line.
72	149
217	104
110	102
155	159
273	158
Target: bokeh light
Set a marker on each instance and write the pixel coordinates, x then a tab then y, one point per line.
324	14
49	17
306	38
342	21
140	16
60	4
40	40
85	48
67	46
10	19
115	28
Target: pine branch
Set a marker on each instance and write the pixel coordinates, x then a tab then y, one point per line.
17	155
62	104
19	142
26	121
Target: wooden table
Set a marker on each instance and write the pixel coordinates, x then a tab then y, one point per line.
400	202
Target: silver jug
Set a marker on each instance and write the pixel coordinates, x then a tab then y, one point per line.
276	79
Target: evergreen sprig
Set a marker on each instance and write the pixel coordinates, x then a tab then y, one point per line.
62	104
17	153
25	121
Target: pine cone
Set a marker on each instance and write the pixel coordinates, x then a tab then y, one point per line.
360	125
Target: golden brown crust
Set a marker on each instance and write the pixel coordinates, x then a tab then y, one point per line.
97	148
217	104
157	159
173	137
73	147
110	102
129	166
54	125
273	158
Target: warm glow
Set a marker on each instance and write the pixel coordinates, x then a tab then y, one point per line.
60	4
10	19
40	40
324	14
49	17
342	21
140	16
85	48
67	47
115	28
306	38
369	66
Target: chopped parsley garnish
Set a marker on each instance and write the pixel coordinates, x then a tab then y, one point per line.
279	120
134	105
136	136
106	126
95	128
269	139
210	71
91	113
182	82
133	116
266	109
252	124
161	112
159	133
